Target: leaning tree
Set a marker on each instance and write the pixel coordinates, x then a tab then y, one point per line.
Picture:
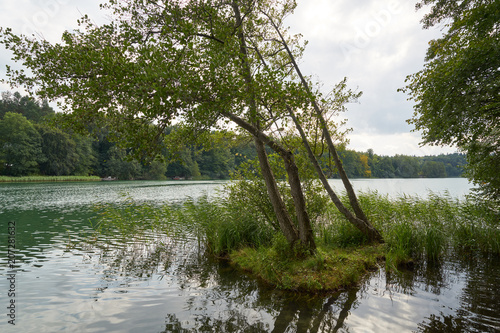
201	64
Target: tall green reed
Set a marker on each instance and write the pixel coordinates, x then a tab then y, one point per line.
223	226
414	228
417	228
478	229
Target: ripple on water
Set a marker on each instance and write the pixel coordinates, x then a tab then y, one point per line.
115	285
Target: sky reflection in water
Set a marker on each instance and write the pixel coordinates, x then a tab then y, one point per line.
153	283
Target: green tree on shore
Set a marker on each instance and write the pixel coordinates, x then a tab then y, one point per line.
457	93
20	146
59	149
34	111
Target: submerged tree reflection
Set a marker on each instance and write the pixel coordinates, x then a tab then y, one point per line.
216	298
478	303
248	307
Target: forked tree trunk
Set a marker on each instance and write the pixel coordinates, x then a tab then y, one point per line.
362	225
284	219
305	233
360	220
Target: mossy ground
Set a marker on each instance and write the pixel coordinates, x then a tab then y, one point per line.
326	270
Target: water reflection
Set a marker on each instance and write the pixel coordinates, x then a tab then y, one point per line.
454	301
215	297
243	305
478	303
71	280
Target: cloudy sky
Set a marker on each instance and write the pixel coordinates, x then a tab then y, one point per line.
375	44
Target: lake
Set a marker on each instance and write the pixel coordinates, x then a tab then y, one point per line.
65	281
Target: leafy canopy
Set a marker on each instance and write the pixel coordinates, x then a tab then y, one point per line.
163	63
20	145
457	93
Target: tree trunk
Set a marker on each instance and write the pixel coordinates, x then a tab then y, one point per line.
352	196
360	220
305	233
366	228
284	219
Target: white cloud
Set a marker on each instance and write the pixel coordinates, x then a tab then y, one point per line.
392	144
376	44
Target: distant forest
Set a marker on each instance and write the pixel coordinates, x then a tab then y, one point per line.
32	142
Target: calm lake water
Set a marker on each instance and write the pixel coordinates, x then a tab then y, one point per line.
152	283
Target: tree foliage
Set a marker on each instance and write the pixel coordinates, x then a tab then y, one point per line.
457	93
33	110
59	150
202	63
20	145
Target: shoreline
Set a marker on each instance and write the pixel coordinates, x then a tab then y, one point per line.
41	179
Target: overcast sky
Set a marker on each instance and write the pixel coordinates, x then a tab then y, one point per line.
375	44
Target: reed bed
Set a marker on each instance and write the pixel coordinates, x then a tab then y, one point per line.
28	179
414	228
417	229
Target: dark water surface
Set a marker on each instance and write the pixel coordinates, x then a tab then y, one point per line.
67	280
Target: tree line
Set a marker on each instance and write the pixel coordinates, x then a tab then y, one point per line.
33	141
370	165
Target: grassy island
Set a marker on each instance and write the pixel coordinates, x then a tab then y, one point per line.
326	270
